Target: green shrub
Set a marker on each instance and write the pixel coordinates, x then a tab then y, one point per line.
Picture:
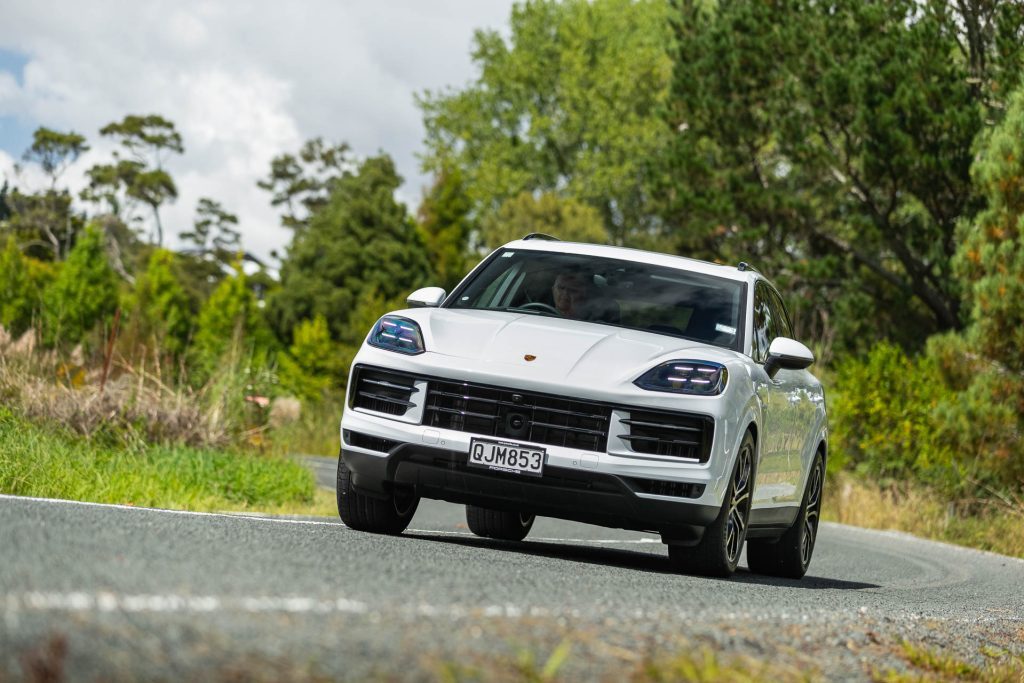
311	367
17	303
884	414
159	310
83	294
231	329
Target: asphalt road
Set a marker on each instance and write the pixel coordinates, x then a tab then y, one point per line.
107	592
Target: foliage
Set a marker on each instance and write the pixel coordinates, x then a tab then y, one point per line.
230	328
55	151
216	244
570	103
310	368
986	362
18	302
883	418
44	223
445	226
566	219
832	144
361	241
147	139
214	228
160	311
301	183
83	294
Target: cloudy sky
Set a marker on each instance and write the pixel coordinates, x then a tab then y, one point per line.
243	81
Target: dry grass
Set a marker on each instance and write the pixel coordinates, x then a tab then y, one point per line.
134	406
995	526
702	665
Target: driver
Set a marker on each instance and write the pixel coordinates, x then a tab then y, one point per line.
571	292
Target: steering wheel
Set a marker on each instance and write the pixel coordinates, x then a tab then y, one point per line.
538	305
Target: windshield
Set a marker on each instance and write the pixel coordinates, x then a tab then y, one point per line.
608	291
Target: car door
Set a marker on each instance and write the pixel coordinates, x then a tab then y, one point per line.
775	481
795	415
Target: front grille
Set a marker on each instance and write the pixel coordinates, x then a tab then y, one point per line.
506	413
679	489
383	392
678	435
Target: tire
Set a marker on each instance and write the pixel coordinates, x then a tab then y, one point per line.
358	511
506	526
791	555
719	549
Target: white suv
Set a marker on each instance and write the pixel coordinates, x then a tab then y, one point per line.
599	384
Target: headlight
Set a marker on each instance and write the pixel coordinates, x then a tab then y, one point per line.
395	333
702	378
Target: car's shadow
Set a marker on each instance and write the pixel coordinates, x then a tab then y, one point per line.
630	559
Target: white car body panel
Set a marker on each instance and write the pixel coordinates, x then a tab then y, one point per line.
599	362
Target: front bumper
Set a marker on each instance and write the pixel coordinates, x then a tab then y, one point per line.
579	495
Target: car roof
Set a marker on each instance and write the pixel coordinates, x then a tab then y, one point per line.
637	255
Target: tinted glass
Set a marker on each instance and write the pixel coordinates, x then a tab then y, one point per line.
764	323
628	294
782	326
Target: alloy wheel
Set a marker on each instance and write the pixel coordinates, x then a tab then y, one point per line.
811	514
739	505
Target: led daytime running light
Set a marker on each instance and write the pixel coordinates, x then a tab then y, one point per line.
395	333
699	378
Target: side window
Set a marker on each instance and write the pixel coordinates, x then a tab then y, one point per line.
764	325
782	325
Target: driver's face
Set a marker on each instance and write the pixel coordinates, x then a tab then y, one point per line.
569	292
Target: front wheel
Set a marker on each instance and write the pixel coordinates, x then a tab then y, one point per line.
719	549
500	524
389	515
791	555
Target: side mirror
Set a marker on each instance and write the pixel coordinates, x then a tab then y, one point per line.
428	297
788	354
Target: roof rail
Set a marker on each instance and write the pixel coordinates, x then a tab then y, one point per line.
541	236
744	266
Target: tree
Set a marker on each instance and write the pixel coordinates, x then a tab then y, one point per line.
831	143
213	228
44	224
148	139
361	241
230	321
311	367
445	227
5	206
986	361
160	311
83	294
570	103
301	183
566	219
18	301
55	151
46	218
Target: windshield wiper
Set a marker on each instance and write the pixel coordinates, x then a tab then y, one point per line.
528	311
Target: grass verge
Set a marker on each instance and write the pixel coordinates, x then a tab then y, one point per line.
54	463
700	666
926	664
916	510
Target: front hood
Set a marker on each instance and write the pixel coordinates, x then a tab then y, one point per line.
565	350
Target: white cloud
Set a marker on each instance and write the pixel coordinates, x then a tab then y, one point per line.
242	81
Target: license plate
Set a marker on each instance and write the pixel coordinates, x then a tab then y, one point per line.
506	456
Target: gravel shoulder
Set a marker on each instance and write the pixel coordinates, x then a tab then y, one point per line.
118	592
